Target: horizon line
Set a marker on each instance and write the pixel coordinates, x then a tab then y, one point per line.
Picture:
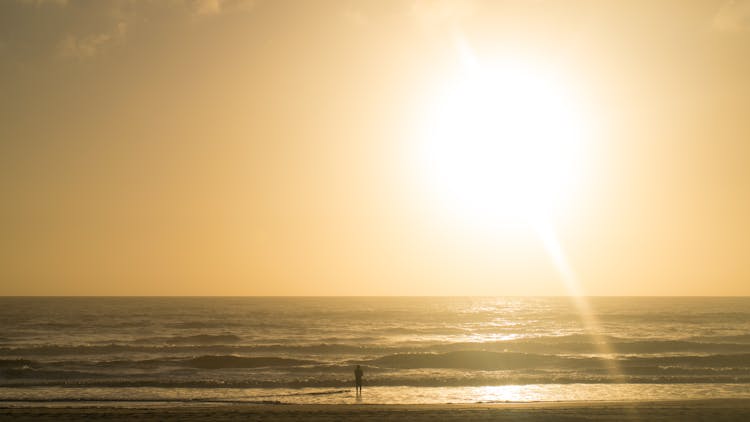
372	296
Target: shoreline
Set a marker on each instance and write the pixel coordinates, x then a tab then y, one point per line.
666	410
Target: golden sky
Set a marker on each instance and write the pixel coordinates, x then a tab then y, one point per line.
219	147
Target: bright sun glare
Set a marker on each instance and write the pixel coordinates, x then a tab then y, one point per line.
503	142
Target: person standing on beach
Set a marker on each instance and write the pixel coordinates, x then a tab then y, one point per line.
358	379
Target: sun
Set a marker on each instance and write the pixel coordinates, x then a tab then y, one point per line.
503	142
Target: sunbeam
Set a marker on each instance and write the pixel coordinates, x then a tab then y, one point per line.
548	236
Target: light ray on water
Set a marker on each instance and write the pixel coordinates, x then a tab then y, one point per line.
552	245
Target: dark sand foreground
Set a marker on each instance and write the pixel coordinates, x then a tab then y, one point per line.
695	410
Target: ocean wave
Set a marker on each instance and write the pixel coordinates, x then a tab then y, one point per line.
46	374
192	325
708	361
16	363
90	364
467	359
391	380
738	338
219	344
489	360
65	350
587	344
220	362
161	349
199	339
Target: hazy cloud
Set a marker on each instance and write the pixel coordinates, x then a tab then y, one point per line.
45	2
436	13
734	16
215	7
82	47
428	14
78	29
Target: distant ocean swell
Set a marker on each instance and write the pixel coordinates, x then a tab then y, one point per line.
233	344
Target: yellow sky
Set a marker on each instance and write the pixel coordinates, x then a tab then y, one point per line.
267	147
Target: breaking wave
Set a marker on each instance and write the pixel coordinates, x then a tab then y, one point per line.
219	362
233	344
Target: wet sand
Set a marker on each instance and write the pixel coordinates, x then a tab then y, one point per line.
692	410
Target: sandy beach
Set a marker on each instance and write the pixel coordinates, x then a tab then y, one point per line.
696	410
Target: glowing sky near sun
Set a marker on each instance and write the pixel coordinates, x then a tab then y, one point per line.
308	148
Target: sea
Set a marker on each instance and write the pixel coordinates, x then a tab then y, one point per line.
147	351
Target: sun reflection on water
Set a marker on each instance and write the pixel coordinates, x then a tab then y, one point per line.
508	393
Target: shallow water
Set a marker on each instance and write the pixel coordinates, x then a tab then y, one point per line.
47	396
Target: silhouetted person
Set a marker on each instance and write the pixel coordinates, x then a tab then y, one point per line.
358	379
